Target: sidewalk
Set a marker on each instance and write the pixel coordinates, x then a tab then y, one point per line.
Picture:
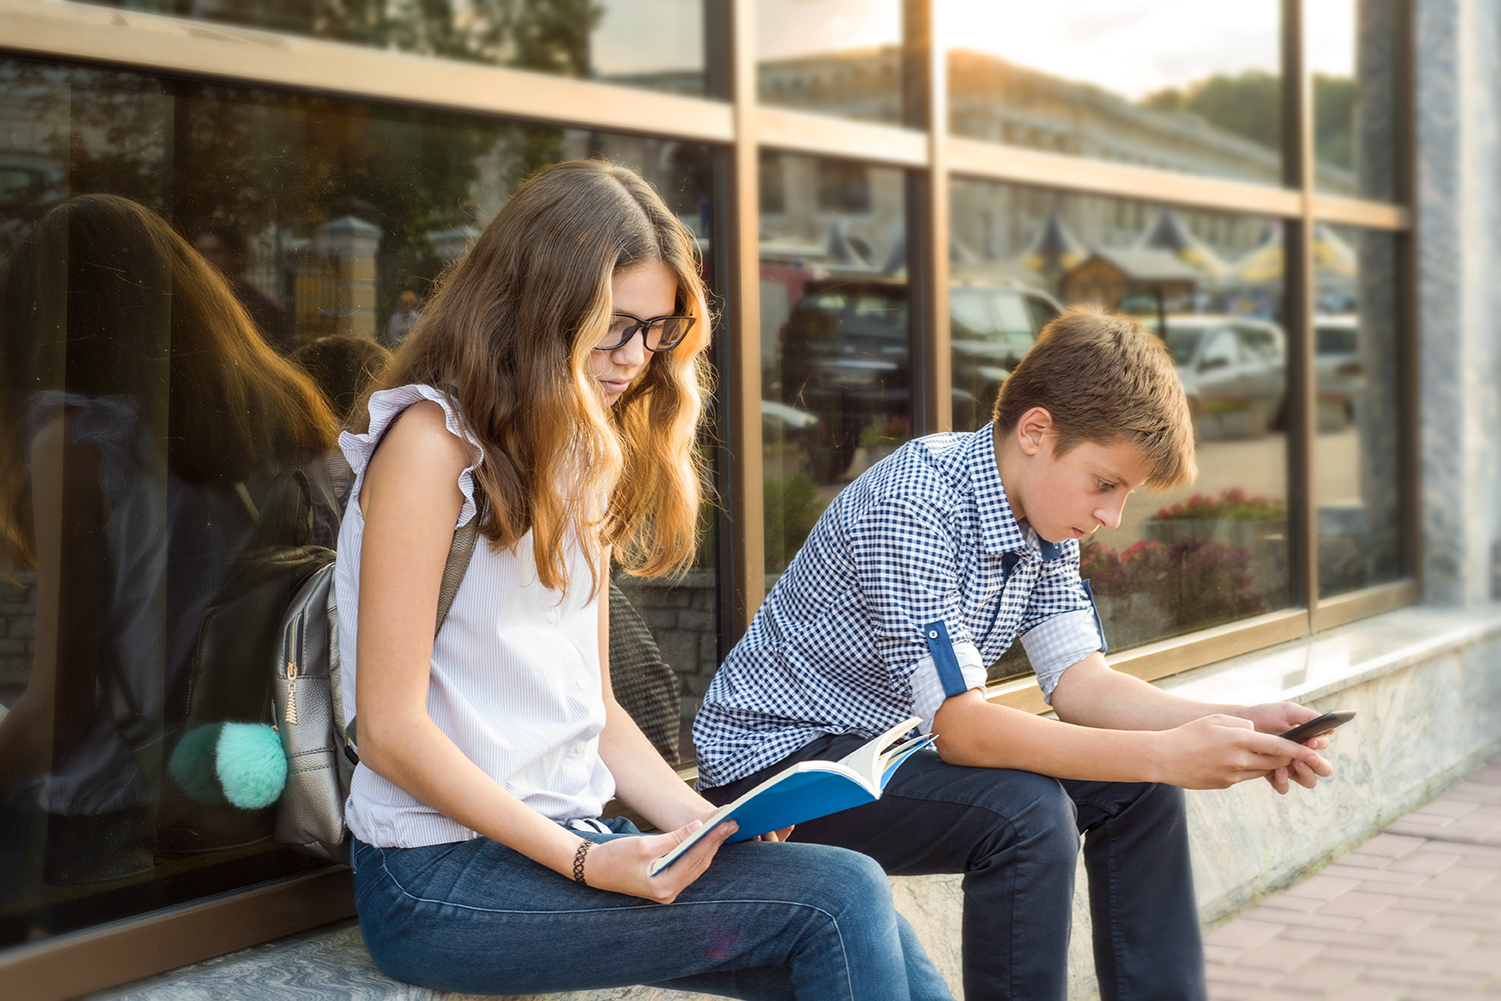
1414	914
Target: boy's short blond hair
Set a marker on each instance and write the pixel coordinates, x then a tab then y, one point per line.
1105	378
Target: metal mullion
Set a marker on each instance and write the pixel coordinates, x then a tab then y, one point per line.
1298	296
1368	601
844	138
1016	165
1359	212
742	370
1410	358
173	46
927	223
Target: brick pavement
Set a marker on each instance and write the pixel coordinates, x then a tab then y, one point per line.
1414	914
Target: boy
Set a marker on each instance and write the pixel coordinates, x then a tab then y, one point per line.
919	575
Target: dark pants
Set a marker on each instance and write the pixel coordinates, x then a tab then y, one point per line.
1015	837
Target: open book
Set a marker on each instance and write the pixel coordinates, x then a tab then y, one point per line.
811	789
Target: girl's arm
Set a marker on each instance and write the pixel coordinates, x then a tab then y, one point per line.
410	501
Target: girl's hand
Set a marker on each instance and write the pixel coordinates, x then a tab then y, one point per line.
781	835
620	864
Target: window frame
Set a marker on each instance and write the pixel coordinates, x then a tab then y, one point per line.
739	131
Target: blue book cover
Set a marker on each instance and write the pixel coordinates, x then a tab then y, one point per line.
812	789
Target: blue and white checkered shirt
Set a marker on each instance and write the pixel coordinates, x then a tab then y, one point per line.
842	644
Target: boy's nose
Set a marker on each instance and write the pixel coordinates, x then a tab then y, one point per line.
1110	516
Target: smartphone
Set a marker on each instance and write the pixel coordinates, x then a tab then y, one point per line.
1318	726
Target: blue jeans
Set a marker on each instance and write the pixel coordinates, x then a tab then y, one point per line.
765	921
1015	837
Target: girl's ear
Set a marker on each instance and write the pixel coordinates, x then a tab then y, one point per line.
1032	429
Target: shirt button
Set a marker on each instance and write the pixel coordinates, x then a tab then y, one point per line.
579	748
579	684
552	618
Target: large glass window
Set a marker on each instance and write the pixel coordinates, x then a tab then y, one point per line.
143	436
838	57
1202	555
652	44
1352	52
1357	446
835	339
1171	84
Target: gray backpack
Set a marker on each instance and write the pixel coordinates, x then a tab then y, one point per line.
308	705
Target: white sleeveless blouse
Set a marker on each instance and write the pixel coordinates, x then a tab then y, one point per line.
514	680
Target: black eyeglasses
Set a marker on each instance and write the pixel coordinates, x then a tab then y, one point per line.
661	332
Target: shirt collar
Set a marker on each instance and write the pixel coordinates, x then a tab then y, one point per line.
1002	532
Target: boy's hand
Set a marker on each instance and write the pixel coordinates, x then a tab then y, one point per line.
1217	751
1279	717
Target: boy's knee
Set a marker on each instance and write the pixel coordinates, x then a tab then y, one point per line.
1030	814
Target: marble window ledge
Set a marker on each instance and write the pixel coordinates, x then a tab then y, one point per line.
1309	669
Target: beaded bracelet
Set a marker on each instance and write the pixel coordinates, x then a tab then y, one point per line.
578	861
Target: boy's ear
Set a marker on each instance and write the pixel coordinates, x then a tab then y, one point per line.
1032	429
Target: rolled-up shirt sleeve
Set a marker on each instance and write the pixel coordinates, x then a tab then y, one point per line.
905	559
1060	627
927	687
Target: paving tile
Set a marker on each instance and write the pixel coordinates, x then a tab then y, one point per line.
1365	990
1244	933
1438	941
1384	957
1223	955
1354	860
1477	959
1272	911
1339	869
1321	887
1280	954
1221	991
1248	975
1424	860
1457	981
1462	877
1397	924
1357	904
1394	845
1320	974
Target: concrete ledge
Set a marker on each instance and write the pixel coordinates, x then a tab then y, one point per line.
1426	683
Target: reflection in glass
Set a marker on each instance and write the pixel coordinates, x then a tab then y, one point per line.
1356	443
1352	52
1171	84
1195	557
837	57
150	410
835	339
651	44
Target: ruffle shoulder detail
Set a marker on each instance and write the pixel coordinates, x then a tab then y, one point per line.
385	407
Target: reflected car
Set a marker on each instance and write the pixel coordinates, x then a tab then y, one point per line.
846	357
1234	370
991	328
1340	370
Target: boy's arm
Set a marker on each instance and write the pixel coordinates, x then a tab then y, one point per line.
1136	733
1092	694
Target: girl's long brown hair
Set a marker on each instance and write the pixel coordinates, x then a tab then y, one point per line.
508	337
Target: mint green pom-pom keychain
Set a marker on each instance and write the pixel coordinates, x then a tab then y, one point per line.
238	763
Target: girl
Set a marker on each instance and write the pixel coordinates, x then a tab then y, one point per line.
553	389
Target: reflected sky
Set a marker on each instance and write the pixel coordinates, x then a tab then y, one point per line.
1130	47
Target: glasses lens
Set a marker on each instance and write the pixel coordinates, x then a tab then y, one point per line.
621	329
669	331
